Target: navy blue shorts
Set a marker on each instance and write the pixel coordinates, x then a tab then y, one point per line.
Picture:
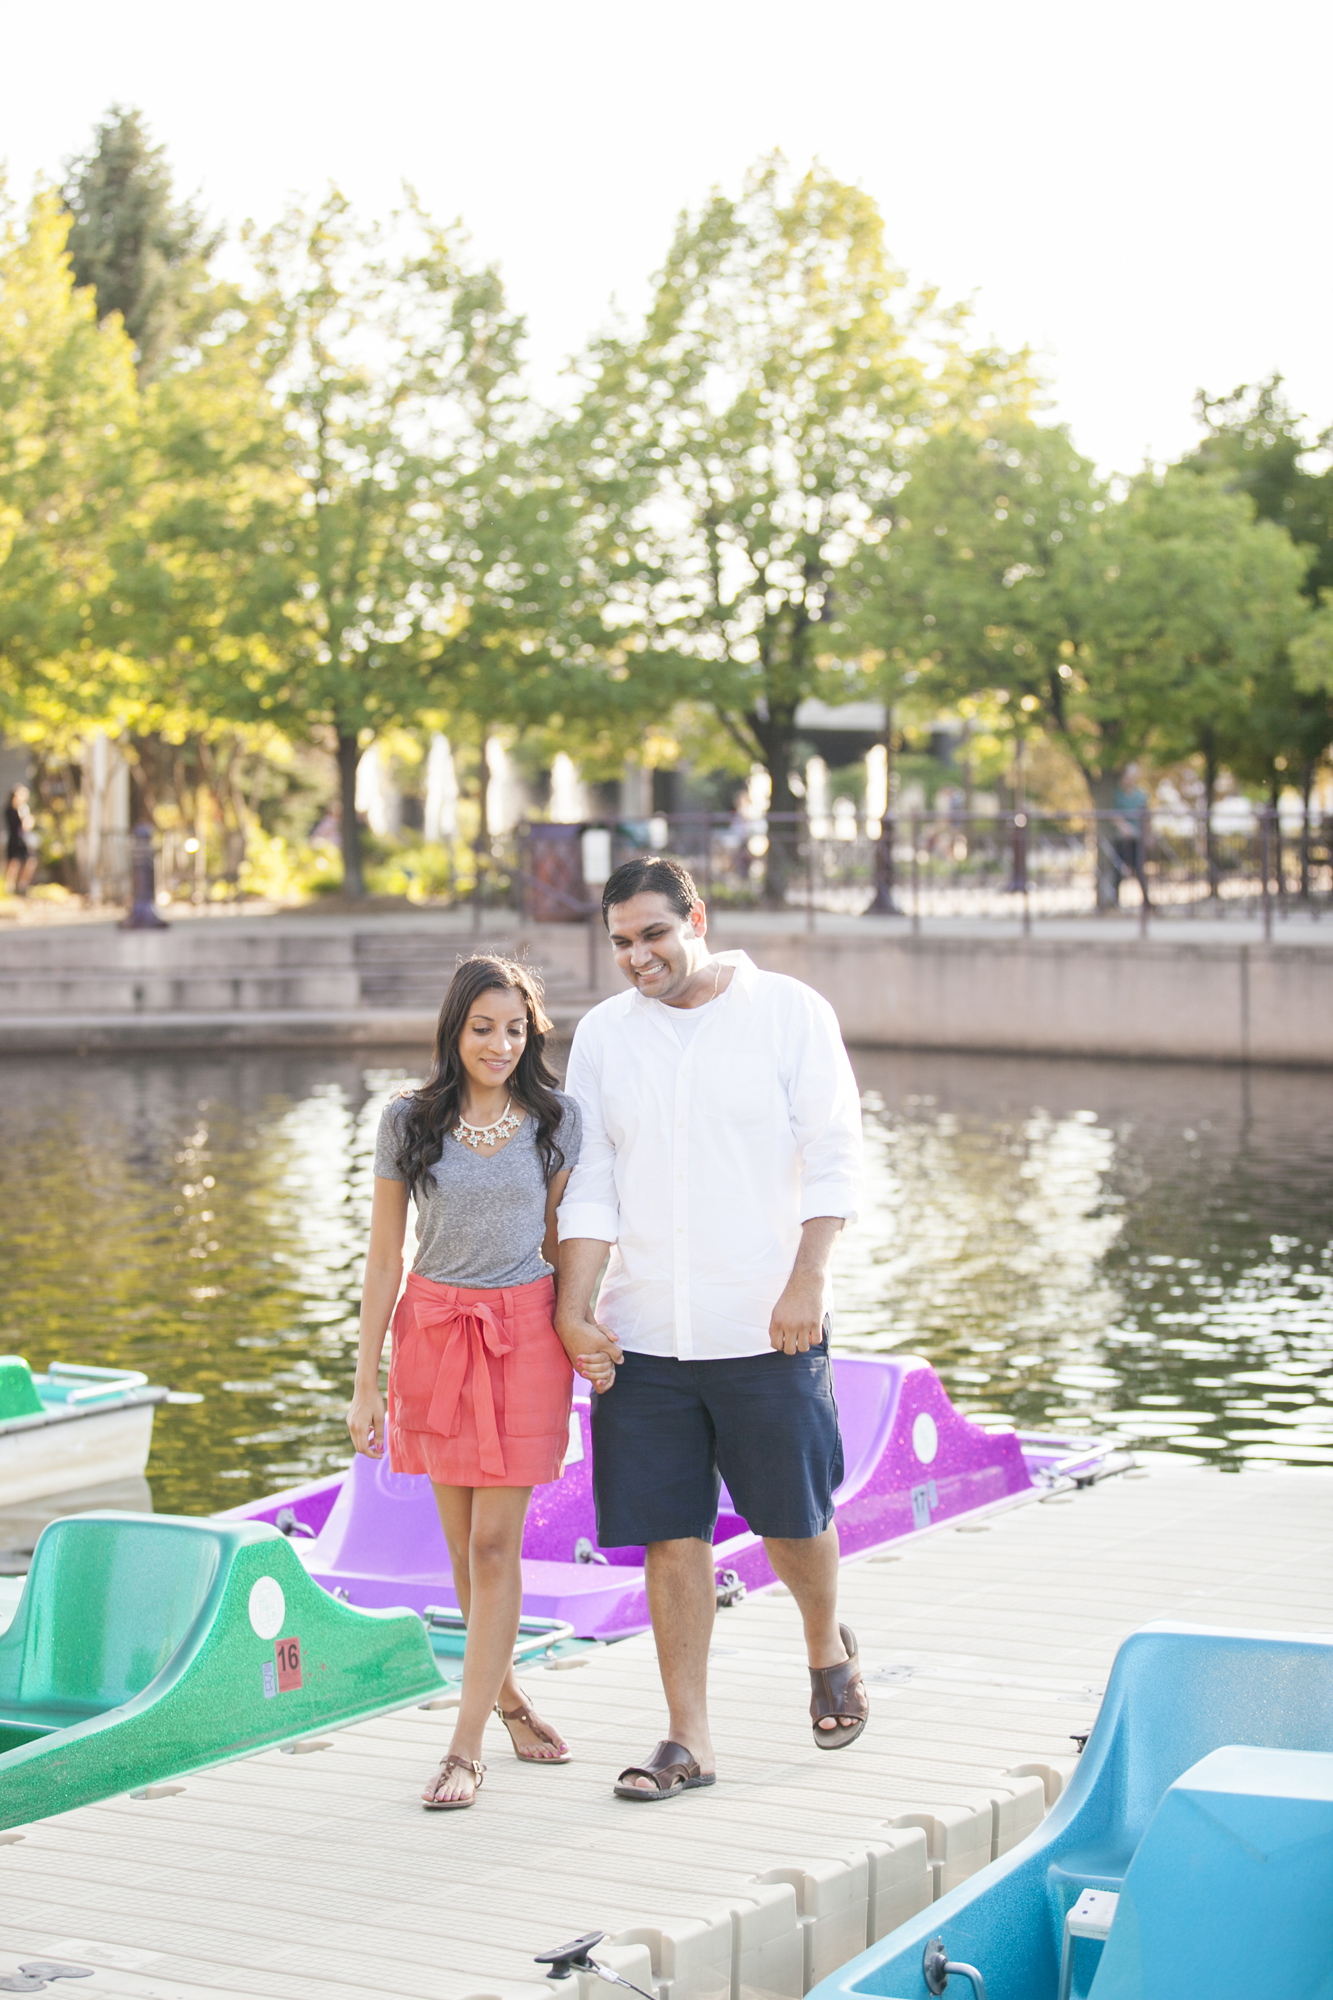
669	1432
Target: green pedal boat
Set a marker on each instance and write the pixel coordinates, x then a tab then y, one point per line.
145	1646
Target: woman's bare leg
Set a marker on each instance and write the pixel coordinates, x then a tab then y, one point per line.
455	1509
483	1527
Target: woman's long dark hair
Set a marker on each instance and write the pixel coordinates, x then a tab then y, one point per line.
433	1111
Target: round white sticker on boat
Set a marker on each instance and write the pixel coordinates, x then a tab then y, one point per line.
268	1607
925	1438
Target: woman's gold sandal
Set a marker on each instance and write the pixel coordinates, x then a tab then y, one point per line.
447	1765
541	1730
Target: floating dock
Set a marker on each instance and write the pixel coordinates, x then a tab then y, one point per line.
317	1875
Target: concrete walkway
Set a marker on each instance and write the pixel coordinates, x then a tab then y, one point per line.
315	1876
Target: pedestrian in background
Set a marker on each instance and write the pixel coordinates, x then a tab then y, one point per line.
21	852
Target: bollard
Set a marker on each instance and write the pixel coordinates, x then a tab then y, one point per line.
1020	881
883	903
809	873
143	907
916	874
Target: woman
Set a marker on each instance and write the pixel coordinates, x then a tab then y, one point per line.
20	842
479	1384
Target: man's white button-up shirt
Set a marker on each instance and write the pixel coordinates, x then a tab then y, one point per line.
703	1153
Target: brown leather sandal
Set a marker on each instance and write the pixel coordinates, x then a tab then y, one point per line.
541	1730
670	1761
839	1690
453	1763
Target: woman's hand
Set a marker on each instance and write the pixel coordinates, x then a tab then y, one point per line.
599	1369
593	1349
365	1420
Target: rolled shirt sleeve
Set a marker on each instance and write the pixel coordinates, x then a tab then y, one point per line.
591	1205
825	1109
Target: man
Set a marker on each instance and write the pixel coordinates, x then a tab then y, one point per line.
1130	802
721	1156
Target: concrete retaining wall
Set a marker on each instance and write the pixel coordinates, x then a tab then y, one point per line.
1040	996
288	981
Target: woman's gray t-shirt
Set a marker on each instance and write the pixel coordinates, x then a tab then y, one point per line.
481	1218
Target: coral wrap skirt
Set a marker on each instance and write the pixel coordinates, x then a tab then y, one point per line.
480	1388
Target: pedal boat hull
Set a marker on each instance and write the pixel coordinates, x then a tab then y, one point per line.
372	1535
71	1428
148	1646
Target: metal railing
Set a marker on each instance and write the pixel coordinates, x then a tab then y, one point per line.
1031	865
105	868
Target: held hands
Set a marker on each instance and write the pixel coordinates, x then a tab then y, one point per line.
592	1349
365	1420
797	1320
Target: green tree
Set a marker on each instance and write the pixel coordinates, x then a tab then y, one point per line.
203	592
1175	601
1312	652
69	414
739	450
1258	445
1290	727
396	371
1125	627
145	255
959	596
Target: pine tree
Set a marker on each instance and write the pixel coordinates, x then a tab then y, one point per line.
144	255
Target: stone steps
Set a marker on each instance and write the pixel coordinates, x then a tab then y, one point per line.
90	978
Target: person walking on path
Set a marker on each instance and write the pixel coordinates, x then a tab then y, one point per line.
479	1384
20	842
1129	845
721	1156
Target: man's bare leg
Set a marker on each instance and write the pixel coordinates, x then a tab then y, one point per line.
809	1569
682	1602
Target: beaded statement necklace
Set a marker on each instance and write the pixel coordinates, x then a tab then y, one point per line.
489	1135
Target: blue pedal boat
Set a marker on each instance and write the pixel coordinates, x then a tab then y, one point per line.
1165	1814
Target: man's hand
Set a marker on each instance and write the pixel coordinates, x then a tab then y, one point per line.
593	1349
365	1420
798	1316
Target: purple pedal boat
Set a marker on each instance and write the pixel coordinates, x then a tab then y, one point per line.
371	1536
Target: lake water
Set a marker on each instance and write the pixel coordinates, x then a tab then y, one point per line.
1144	1250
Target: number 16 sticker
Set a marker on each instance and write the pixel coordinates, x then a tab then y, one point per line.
287	1652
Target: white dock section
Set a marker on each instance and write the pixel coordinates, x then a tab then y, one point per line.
317	1876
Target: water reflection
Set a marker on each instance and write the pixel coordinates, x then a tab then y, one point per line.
1144	1248
1093	1244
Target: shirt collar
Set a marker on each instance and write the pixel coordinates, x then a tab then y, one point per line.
745	971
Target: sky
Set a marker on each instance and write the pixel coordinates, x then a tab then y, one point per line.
1140	193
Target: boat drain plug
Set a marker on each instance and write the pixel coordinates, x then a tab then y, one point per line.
937	1967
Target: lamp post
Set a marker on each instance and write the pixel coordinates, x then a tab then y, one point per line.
143	907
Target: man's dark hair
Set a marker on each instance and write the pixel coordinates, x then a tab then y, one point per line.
650	875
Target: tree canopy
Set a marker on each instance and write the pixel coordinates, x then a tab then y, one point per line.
741	447
320	506
144	254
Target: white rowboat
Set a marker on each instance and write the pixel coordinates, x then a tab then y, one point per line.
71	1427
